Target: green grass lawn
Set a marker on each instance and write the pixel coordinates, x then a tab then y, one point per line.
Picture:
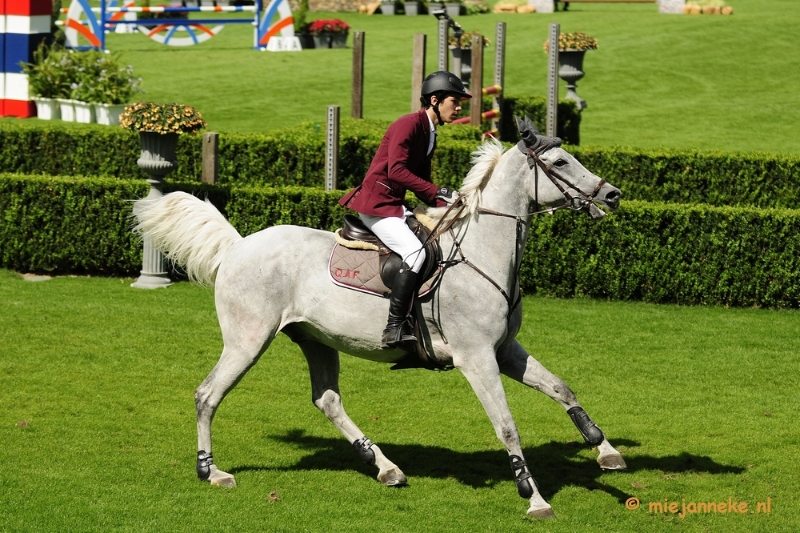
98	425
674	81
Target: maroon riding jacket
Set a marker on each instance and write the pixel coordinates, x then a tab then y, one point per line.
401	164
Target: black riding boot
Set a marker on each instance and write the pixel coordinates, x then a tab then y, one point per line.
399	306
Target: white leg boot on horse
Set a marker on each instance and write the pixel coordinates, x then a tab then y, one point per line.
397	333
323	366
517	364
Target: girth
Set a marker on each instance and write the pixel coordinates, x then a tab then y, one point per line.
390	263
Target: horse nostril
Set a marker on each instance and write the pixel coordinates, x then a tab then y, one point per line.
612	198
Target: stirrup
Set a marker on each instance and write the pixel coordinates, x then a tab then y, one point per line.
399	336
396	337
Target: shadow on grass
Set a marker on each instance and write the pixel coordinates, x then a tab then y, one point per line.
555	465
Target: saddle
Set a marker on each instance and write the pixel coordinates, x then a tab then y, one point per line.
362	262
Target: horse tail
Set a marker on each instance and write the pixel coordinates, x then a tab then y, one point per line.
188	231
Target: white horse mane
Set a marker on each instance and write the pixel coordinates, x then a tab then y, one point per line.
484	160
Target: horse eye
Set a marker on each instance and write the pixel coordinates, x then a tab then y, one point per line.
560	163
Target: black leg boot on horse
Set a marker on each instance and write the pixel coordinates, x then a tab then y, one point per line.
398	333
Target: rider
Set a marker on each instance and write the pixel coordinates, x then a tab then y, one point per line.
403	162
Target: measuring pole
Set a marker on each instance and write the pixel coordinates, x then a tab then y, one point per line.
357	104
552	81
332	148
499	70
476	105
418	70
443	31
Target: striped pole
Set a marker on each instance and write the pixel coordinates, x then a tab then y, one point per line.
23	25
166	9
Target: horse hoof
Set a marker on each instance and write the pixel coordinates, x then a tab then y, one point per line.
224	480
393	478
542	512
612	461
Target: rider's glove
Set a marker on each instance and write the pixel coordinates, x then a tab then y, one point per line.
448	195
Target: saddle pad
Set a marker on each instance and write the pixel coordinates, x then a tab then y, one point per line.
360	270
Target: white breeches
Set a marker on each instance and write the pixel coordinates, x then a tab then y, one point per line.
395	234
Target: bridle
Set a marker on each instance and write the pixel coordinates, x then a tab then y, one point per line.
575	202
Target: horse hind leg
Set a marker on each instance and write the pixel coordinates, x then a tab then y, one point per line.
516	363
236	359
323	366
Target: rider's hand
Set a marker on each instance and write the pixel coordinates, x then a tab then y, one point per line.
448	195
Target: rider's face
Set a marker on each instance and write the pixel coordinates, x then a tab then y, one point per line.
449	108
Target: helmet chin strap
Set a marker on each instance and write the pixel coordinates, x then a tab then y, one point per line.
436	111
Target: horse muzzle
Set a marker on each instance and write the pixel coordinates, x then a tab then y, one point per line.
608	196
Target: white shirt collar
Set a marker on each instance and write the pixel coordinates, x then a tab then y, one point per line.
432	137
433	128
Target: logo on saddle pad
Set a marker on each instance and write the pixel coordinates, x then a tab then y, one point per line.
346	273
361	262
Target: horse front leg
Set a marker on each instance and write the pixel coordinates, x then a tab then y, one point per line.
323	365
484	377
517	364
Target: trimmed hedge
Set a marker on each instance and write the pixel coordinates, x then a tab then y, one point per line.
296	157
65	224
682	176
664	253
668	253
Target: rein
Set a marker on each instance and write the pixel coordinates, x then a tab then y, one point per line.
574	202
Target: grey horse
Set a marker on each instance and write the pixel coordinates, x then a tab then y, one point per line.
277	280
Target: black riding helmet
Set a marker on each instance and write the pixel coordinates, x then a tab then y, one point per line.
442	83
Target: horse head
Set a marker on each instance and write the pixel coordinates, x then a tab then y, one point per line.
566	183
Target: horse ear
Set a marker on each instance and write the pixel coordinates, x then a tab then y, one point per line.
527	131
531	126
520	126
531	137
